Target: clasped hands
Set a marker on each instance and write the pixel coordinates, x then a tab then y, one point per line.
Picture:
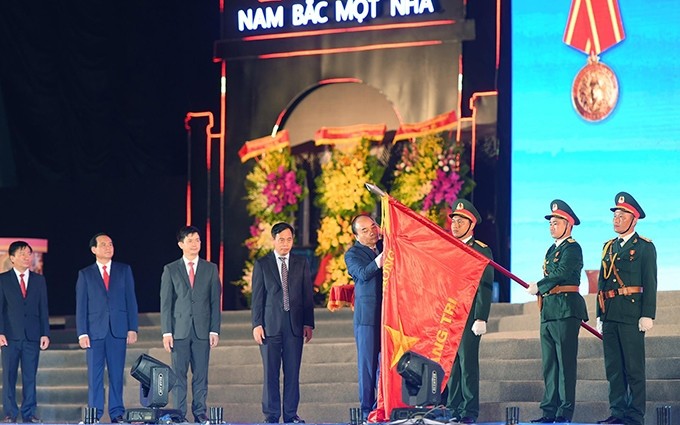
259	337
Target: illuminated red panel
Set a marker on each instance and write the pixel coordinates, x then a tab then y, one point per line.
350	49
315	33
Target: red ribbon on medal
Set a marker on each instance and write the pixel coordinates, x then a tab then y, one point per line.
594	25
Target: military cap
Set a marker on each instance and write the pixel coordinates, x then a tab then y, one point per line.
561	209
625	201
464	208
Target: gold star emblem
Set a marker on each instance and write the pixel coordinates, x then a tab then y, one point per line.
401	343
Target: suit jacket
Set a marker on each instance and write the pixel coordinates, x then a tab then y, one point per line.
635	264
183	306
23	318
367	277
98	310
562	266
267	298
482	302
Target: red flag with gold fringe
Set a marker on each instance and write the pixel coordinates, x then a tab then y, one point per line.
430	279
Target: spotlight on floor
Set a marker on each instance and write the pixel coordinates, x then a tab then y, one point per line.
420	387
156	379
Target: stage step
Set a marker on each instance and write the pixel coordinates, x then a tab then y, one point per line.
510	367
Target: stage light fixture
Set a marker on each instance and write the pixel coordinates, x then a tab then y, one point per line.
421	380
156	379
421	389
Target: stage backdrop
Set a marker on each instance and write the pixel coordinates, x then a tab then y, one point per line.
267	69
558	154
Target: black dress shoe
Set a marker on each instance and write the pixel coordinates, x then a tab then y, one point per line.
201	419
118	420
270	420
562	420
542	420
9	420
294	420
611	420
32	420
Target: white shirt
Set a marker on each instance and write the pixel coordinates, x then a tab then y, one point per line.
26	273
101	270
559	241
186	264
625	238
286	258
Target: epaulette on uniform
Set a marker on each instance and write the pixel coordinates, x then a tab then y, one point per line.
571	240
645	239
480	243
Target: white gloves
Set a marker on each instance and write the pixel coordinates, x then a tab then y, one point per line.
532	289
645	324
479	327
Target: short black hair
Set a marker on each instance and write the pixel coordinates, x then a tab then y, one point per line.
280	227
16	246
93	239
186	231
354	222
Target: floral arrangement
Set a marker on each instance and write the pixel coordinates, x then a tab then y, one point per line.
340	187
274	187
430	177
341	195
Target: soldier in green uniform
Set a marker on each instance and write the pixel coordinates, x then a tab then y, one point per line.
463	385
625	311
562	311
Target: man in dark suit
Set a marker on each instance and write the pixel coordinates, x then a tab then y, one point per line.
106	321
364	264
191	294
625	311
24	331
463	385
562	310
283	316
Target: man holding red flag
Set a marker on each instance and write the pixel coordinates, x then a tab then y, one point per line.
463	385
430	279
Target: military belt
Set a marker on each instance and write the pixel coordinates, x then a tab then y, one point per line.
624	290
559	289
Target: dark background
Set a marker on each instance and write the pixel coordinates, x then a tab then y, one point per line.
93	96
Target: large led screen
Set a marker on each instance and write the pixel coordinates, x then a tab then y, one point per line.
558	153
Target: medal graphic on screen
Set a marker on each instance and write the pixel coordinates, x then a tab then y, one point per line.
593	27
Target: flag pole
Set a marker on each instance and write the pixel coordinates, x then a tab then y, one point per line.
379	192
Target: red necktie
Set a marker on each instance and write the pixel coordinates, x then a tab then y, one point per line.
22	284
105	276
192	274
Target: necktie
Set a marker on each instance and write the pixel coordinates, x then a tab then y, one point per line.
192	274
617	245
105	276
284	284
22	284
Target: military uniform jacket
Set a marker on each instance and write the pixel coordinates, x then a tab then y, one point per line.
482	302
635	265
562	266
